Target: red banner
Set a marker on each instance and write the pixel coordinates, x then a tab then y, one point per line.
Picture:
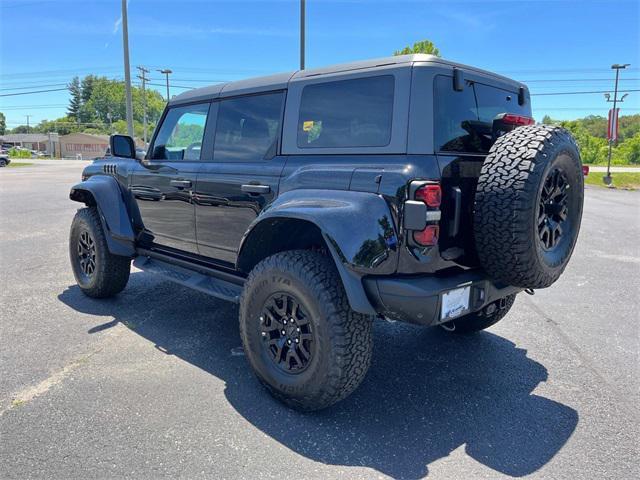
612	128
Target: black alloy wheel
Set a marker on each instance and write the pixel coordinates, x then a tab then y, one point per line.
86	253
553	209
287	333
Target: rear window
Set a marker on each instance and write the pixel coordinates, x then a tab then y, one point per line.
464	120
347	113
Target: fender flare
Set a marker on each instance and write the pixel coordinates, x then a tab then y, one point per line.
358	247
104	193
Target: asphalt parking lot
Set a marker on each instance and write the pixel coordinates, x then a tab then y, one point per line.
152	383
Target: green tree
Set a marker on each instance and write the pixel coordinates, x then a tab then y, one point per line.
547	120
3	124
22	129
423	46
628	151
75	100
63	126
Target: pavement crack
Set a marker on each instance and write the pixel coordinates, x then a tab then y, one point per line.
586	361
27	394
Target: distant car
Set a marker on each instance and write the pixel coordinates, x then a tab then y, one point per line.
4	160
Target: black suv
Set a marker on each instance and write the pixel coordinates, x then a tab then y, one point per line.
409	188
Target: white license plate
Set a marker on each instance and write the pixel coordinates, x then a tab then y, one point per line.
455	303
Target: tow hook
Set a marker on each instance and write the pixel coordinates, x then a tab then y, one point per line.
529	291
502	303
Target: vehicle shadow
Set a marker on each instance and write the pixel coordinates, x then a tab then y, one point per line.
427	392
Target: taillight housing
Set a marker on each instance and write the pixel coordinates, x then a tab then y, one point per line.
431	194
518	120
422	212
428	236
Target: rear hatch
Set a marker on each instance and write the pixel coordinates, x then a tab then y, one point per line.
466	124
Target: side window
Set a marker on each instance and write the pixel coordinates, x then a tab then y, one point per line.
247	127
180	135
347	113
456	118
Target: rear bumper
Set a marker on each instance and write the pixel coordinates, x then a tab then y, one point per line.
418	299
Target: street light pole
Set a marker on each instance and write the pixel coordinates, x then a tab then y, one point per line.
127	68
143	78
617	67
302	33
166	72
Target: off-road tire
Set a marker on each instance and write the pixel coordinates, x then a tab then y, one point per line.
111	272
474	322
508	204
343	338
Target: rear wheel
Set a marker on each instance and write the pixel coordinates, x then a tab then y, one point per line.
99	273
488	316
299	334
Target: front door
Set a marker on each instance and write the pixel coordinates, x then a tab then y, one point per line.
243	175
163	184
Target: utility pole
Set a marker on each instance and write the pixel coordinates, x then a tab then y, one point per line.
166	72
28	116
143	78
617	67
302	33
127	68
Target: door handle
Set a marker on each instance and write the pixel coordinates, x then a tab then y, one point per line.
250	188
180	183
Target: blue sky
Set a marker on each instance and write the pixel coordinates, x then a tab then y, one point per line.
553	45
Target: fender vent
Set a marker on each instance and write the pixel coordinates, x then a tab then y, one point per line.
109	168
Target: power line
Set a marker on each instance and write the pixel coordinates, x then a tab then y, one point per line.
577	80
34	86
582	93
30	93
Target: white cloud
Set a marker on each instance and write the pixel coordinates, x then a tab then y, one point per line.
116	25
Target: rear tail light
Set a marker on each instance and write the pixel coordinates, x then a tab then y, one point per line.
428	236
424	221
430	194
585	170
519	120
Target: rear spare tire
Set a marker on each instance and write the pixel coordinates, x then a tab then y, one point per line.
528	206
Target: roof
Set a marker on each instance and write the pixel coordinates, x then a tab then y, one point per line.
281	80
90	136
25	137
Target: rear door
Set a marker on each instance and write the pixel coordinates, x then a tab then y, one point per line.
242	176
463	135
163	184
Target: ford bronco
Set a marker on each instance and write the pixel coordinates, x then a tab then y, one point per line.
408	188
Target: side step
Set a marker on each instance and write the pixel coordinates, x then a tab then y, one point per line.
216	287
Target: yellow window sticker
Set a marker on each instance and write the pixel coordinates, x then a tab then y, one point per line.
307	126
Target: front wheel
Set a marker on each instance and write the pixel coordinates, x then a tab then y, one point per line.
299	333
477	321
99	273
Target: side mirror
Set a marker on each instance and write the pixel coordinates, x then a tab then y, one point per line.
122	146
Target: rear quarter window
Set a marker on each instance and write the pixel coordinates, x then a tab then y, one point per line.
346	113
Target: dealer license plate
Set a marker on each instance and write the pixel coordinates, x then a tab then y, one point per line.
455	303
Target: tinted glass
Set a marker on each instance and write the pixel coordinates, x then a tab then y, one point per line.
464	120
180	135
347	113
247	127
455	116
493	101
